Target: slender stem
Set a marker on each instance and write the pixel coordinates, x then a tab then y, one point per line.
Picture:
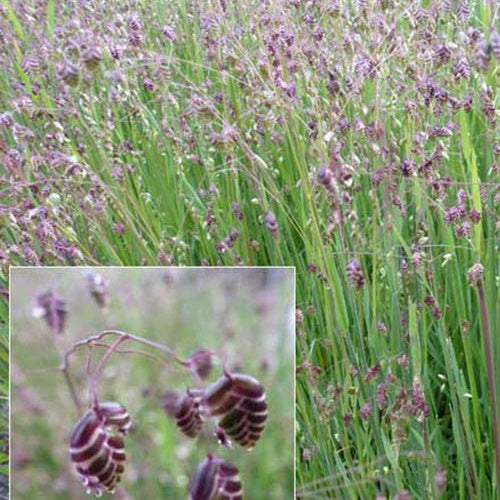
71	388
96	340
491	379
98	369
107	355
431	468
88	370
160	347
130	351
67	377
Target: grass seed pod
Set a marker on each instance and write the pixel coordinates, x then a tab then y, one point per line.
97	447
98	287
240	402
185	408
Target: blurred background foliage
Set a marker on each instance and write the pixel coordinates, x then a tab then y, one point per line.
244	314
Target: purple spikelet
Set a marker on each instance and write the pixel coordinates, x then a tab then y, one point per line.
365	411
475	274
355	273
69	73
272	224
240	403
203	484
495	44
97	447
229	482
482	54
91	57
53	309
185	408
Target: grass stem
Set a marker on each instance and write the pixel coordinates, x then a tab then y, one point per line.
491	378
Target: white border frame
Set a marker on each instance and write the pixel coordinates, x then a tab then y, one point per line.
165	268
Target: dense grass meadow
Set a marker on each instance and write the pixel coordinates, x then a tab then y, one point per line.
355	140
245	315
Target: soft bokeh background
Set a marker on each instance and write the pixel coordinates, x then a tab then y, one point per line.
248	314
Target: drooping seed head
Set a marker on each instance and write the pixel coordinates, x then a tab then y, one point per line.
229	482
240	403
495	44
92	56
203	485
53	309
482	54
69	73
97	447
441	479
365	411
326	178
185	408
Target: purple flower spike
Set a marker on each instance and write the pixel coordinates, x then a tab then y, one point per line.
272	224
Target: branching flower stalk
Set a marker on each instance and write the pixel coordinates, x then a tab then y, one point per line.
94	340
99	336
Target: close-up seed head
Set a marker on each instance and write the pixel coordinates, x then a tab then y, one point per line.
201	363
97	447
239	401
355	273
185	408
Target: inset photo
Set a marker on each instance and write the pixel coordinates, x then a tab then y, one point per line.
146	383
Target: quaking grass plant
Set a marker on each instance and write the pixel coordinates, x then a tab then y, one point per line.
356	140
97	445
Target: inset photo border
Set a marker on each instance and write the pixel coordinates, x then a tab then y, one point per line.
149	382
